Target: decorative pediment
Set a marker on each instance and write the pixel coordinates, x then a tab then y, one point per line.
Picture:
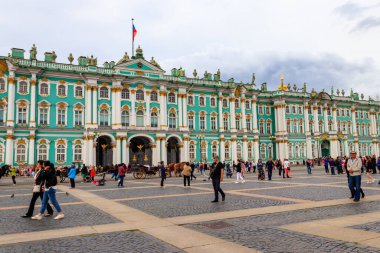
139	65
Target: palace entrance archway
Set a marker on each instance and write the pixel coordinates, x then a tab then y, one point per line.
325	148
173	150
104	151
140	151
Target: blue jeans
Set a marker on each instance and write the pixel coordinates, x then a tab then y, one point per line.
355	184
308	169
121	182
50	194
332	170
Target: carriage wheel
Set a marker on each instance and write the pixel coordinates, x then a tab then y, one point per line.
138	174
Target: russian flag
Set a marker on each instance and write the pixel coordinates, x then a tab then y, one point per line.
134	32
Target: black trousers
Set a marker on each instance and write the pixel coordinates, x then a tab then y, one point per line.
192	175
162	181
14	179
186	178
279	171
72	182
217	189
270	174
33	202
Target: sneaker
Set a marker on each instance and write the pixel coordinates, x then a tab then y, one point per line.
236	182
37	217
59	216
48	214
243	181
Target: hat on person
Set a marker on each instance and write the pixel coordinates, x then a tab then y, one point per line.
353	152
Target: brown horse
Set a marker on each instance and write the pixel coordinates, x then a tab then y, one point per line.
177	168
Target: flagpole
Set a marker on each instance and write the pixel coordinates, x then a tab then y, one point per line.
133	50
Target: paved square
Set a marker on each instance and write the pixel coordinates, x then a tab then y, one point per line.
307	213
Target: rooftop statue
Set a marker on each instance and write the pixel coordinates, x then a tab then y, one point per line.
92	61
264	87
154	63
53	56
304	87
295	88
289	87
332	90
343	92
362	96
253	79
70	58
33	52
181	72
217	76
352	93
231	80
124	59
205	75
195	73
338	92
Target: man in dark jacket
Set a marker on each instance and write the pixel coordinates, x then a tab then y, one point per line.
217	174
269	166
162	173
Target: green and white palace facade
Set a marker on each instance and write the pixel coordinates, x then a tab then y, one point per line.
131	111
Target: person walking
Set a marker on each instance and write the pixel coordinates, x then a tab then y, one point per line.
326	163
354	166
309	165
368	166
37	192
279	167
192	172
121	172
93	173
186	174
286	168
162	173
239	171
269	168
253	167
13	175
260	170
84	172
217	174
49	179
72	174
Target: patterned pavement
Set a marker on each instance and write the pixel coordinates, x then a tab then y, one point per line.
243	230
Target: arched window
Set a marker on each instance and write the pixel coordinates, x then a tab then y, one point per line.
42	152
61	113
225	123
44	89
299	109
214	151
238	151
227	151
21	153
269	127
153	96
190	100
267	110
297	151
237	123
2	119
23	87
140	118
212	102
201	101
22	115
125	93
78	91
78	153
301	126
247	105
61	153
103	92
204	151
139	95
191	121
288	127
1	153
261	127
287	109
213	122
225	103
192	151
270	151
262	152
171	97
249	151
237	104
153	119
61	90
103	117
125	118
202	122
2	84
172	120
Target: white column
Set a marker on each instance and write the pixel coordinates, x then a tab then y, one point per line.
31	148
93	154
163	150
88	106
186	149
355	133
244	125
326	118
234	148
184	105
222	148
85	150
11	100
118	149
335	126
316	120
126	147
373	130
309	150
180	112
276	121
113	108
133	110
346	151
90	150
232	116
114	153
9	148
94	107
182	153
245	148
124	150
147	114
220	112
32	121
256	149
157	152
117	106
163	110
254	115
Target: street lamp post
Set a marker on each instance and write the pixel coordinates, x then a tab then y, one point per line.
200	137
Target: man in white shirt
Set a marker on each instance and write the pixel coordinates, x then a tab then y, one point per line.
286	165
354	166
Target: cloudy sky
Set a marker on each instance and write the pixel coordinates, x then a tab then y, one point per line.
320	42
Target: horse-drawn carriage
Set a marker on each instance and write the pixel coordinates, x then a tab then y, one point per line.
142	171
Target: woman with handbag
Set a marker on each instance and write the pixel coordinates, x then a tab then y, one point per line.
37	192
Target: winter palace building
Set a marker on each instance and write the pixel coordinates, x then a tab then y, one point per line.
132	112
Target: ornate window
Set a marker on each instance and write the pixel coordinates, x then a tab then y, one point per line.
192	151
267	110
319	110
261	112
78	115
140	118
287	109
269	127
78	91
61	153
125	118
201	101
61	116
225	103
249	151
320	125
2	84
237	122
139	95
61	90
213	122
21	153
44	89
262	152
247	105
43	115
238	151
288	127
23	87
225	124
311	126
329	111
301	127
172	120
153	96
103	92
295	126
337	113
103	117
171	97
212	102
261	127
214	151
22	114
204	151
294	109
78	152
270	151
248	123
237	103
1	153
125	93
227	151
190	100
191	122
299	109
2	112
309	110
153	119
42	152
202	122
